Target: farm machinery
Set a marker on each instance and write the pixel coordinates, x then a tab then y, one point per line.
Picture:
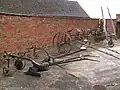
42	64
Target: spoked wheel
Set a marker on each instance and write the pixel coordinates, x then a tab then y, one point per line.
65	48
61	40
110	43
56	38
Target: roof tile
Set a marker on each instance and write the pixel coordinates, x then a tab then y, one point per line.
43	8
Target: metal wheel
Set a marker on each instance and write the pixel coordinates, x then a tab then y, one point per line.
60	41
20	64
110	43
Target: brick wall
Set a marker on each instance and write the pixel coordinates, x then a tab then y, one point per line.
109	25
18	32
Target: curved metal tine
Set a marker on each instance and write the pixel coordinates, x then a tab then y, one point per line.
58	36
69	36
47	53
28	50
55	37
42	54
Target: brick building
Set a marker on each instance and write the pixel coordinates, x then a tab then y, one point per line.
27	22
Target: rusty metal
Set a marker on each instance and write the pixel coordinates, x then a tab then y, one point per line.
60	56
19	64
54	63
82	35
93	35
60	40
20	59
6	68
97	34
74	59
110	41
34	71
37	67
35	52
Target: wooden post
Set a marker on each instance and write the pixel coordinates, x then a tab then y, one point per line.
113	26
104	23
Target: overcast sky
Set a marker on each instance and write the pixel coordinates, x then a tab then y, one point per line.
93	7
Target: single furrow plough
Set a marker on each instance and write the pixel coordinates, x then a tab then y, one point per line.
43	65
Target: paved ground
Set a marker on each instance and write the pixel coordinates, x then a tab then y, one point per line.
54	79
76	76
107	72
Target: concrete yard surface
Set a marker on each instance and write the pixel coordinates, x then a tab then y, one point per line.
106	72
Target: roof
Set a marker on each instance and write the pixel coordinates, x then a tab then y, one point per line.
42	8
